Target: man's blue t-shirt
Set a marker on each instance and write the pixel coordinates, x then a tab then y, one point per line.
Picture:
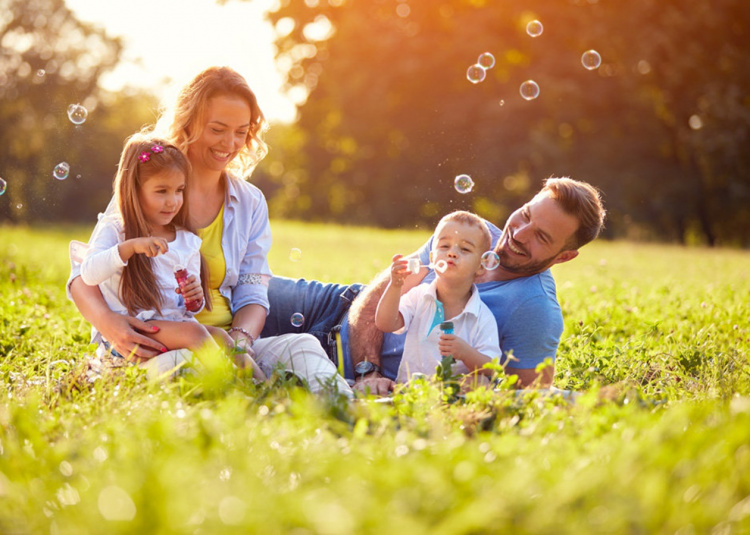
529	319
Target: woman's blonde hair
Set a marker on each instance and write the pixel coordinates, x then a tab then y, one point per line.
142	158
188	117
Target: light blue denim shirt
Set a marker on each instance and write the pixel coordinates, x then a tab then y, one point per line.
245	241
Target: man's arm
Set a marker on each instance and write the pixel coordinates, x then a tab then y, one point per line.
532	378
365	339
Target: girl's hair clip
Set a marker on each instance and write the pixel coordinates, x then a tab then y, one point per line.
146	154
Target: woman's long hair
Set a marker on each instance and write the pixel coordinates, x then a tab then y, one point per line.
188	116
139	162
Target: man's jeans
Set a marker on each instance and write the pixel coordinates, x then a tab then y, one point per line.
323	305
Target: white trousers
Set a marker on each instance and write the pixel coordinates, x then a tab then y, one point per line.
297	353
300	354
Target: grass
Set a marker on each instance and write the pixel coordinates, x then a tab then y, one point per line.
656	339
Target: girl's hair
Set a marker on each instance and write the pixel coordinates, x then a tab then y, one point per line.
189	115
142	158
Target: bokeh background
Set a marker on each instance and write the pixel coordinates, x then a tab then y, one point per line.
386	118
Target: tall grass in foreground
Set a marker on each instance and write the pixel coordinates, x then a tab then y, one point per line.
656	338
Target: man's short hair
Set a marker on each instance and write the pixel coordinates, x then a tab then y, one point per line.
581	200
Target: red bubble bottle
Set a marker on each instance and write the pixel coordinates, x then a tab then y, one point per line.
181	276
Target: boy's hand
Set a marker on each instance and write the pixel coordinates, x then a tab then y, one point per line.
150	246
193	291
399	270
450	344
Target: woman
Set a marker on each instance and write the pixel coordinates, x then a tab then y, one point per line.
217	123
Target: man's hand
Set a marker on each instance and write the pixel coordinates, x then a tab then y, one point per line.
374	383
124	334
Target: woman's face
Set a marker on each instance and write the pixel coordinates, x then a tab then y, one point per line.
223	136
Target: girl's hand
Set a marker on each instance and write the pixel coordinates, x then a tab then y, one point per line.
193	291
150	246
399	270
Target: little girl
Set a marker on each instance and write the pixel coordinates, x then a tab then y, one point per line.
132	256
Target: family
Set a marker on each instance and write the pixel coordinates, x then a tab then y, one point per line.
182	205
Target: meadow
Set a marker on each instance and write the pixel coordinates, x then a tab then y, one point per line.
656	342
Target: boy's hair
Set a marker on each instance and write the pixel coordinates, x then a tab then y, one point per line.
468	218
140	160
188	116
581	200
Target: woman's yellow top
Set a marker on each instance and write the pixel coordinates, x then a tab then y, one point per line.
213	255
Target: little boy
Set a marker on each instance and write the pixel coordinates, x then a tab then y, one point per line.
460	240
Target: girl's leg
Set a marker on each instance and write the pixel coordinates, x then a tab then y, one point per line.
182	334
302	355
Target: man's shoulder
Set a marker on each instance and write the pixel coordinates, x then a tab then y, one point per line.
539	287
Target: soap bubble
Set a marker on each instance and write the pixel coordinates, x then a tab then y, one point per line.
61	171
297	319
534	28
441	266
463	184
77	114
529	90
476	74
490	260
3	186
295	255
486	60
502	102
591	59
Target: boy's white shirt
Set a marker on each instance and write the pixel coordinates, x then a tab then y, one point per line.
475	324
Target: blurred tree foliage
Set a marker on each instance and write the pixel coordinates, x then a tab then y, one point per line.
48	61
661	127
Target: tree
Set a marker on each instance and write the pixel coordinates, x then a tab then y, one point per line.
391	118
48	61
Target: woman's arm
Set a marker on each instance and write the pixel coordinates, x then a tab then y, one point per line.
122	332
250	319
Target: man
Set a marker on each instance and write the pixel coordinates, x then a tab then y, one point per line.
565	215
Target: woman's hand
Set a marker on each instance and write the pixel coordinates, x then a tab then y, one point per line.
124	334
245	361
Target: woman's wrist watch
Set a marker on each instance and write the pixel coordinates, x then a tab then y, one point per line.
365	367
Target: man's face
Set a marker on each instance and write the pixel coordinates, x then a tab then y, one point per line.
535	237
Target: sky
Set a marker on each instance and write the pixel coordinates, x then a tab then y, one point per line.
167	42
